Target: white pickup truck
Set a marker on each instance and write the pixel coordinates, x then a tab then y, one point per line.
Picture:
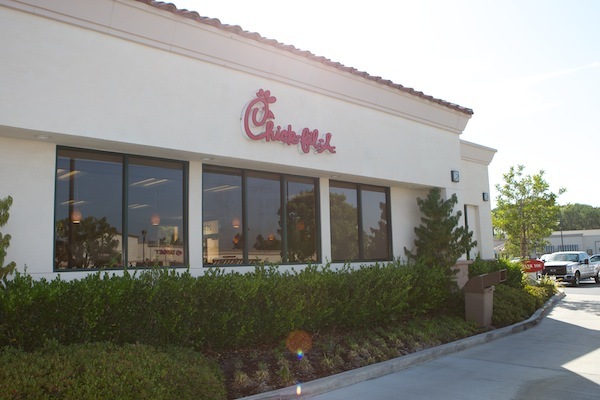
571	266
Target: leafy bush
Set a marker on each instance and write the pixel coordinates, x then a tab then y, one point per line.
512	305
541	292
5	270
514	272
218	310
103	371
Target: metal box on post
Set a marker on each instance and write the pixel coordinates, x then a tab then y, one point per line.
479	296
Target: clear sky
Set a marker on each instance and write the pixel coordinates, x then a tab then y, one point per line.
530	69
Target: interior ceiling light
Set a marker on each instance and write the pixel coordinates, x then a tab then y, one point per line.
74	202
221	188
63	174
149	182
136	206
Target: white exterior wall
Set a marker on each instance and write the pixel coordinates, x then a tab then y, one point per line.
27	171
474	182
119	75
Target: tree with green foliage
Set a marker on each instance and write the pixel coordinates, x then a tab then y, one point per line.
440	241
577	216
526	211
8	269
93	243
376	242
300	227
344	237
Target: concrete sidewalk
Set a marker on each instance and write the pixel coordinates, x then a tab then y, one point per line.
559	359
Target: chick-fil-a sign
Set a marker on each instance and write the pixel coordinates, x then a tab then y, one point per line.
259	125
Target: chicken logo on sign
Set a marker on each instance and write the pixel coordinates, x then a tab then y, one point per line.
258	125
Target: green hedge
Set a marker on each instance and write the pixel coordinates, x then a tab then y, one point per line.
218	310
514	272
107	371
512	305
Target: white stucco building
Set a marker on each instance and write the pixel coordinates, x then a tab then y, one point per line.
583	240
203	144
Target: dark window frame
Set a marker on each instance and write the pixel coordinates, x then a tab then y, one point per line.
283	180
359	187
124	159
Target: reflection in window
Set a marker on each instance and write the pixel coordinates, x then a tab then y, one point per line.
343	200
155	210
223	229
359	222
264	223
90	210
243	223
301	220
374	224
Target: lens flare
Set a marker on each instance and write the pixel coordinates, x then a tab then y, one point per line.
299	343
298	389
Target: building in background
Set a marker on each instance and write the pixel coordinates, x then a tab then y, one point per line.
584	240
133	133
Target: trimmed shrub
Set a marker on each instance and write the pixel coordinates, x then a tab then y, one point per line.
103	371
512	305
218	310
514	272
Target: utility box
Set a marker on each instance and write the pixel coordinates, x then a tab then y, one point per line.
479	296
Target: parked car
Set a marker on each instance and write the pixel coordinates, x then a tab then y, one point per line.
571	266
595	262
544	257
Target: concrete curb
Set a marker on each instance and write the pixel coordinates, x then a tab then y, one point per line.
333	382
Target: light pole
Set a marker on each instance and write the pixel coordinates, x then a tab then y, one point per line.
562	243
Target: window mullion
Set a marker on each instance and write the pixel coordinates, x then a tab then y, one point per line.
388	222
245	231
283	216
361	252
125	210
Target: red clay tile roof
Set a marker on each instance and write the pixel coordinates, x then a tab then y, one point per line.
253	35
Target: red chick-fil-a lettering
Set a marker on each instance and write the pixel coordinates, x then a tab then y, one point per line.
259	125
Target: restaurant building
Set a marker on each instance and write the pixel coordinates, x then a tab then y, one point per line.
133	133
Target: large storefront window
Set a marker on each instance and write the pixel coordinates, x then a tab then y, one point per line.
343	209
102	198
263	207
155	212
253	217
301	212
223	227
360	228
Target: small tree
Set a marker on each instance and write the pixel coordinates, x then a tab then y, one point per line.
526	211
440	241
8	269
